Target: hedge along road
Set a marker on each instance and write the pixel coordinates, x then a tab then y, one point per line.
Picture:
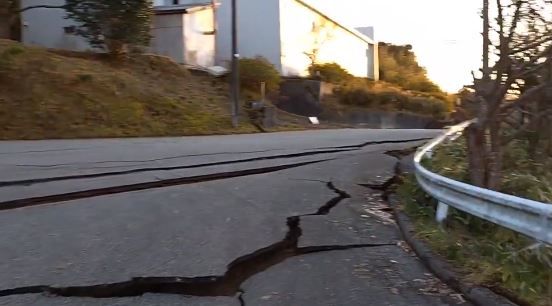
273	219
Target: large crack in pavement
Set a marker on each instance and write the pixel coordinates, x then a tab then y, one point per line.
378	142
41	200
229	284
326	208
139	161
317	151
28	182
27	202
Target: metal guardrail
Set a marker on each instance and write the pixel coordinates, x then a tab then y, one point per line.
531	218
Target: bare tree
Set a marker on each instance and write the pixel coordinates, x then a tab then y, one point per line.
519	41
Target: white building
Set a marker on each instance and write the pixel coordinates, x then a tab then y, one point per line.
186	33
286	31
291	34
183	32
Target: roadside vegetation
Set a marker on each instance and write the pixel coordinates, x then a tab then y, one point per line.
404	87
487	254
504	260
523	175
59	94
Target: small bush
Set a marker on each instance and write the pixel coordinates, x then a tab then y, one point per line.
331	73
433	107
390	100
85	77
13	51
253	71
8	55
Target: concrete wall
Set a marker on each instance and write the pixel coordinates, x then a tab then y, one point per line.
258	28
168	36
302	30
199	46
383	120
46	27
300	96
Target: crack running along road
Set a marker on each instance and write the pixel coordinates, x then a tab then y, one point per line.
317	151
14	204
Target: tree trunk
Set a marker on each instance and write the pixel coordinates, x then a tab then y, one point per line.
533	136
477	154
5	26
494	160
4	19
117	49
549	136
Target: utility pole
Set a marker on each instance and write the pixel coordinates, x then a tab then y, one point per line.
215	24
235	90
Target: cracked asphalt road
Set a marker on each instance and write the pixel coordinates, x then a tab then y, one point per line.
266	219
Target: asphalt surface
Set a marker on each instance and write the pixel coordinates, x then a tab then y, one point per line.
271	219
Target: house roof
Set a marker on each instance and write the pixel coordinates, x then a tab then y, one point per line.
180	8
346	28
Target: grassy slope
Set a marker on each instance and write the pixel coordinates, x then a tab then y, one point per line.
46	94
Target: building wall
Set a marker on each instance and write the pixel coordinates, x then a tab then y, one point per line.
303	32
199	44
47	27
258	30
168	36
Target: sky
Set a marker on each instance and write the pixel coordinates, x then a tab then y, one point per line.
445	34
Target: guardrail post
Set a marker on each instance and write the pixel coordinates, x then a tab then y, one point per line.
429	154
442	212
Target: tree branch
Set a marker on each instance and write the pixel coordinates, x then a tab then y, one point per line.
517	16
532	45
525	97
525	128
40	6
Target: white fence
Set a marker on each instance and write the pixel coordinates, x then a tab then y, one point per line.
531	218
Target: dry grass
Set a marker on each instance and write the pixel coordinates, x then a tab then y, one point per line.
59	94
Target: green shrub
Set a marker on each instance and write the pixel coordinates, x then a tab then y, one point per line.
13	50
253	71
429	106
8	55
357	96
85	77
391	100
330	72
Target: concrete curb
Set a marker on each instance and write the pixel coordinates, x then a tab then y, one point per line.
478	295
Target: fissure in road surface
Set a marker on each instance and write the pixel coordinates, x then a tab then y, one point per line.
151	169
386	187
326	208
378	142
319	151
229	284
147	185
